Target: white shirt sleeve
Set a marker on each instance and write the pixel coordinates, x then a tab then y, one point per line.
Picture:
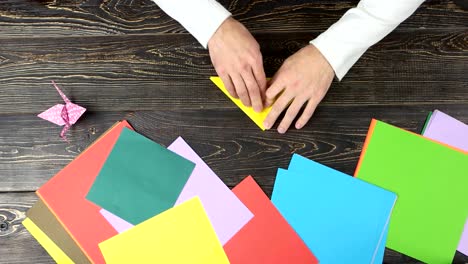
199	17
360	28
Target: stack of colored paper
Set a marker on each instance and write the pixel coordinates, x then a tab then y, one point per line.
333	212
127	199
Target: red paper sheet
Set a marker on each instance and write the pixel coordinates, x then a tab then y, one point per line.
65	195
267	238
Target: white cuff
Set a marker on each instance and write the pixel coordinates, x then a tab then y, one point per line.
360	28
199	17
345	41
337	60
210	23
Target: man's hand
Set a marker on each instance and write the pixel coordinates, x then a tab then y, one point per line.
236	56
303	78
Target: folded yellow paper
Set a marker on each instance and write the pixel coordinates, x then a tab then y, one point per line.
258	118
182	234
54	251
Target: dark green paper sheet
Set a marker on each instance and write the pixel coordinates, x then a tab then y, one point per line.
428	118
139	179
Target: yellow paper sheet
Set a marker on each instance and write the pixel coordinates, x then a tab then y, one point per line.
54	251
258	118
182	234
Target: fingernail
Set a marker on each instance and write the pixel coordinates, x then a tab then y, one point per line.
257	109
281	130
266	125
298	126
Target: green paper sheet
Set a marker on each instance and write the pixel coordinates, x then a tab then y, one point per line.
431	182
139	179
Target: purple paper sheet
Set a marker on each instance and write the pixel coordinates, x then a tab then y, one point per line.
448	130
118	223
225	211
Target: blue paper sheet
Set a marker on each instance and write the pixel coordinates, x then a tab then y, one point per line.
335	214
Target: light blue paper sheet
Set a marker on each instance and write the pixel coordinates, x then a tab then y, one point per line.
335	214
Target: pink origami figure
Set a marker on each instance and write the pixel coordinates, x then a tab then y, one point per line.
63	115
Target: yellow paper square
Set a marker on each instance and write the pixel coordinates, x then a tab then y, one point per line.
182	234
54	251
258	118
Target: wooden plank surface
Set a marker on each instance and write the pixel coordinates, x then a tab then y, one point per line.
16	244
160	72
126	59
31	151
48	18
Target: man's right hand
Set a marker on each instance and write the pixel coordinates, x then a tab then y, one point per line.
237	59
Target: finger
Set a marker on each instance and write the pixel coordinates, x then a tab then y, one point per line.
276	87
307	114
291	113
276	110
254	91
241	89
228	85
260	76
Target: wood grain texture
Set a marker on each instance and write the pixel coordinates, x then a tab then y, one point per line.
160	72
31	151
16	244
48	18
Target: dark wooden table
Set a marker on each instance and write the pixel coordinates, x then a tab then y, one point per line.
126	59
